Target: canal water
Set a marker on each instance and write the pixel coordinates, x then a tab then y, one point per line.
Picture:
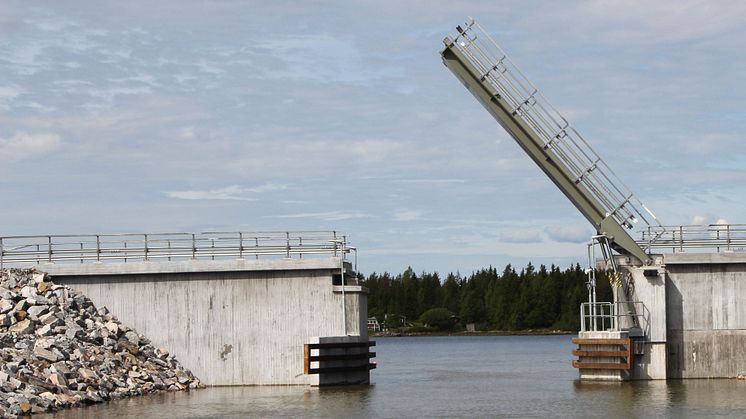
464	376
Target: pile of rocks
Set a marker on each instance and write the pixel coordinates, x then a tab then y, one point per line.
58	350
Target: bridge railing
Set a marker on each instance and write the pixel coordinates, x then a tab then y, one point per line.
712	237
605	316
24	250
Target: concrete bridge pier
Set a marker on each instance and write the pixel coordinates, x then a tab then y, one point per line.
235	322
691	311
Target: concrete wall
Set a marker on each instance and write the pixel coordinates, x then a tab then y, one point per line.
697	315
706	300
238	322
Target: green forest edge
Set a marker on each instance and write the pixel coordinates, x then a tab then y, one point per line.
543	301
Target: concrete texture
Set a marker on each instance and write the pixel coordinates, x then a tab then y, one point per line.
706	299
230	322
161	266
696	315
651	361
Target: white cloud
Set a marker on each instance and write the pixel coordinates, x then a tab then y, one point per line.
370	151
300	156
267	187
229	193
573	233
188	133
52	24
431	181
319	57
108	94
699	220
645	22
232	192
36	105
708	219
328	215
8	92
23	145
407	215
521	236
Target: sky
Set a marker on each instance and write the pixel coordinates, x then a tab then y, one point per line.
189	116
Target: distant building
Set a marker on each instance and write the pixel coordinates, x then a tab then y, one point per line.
373	324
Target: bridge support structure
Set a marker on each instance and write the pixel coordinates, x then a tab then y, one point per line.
688	319
234	322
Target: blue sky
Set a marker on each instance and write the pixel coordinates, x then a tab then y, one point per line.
224	115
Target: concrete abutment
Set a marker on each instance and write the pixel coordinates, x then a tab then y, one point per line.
694	317
232	322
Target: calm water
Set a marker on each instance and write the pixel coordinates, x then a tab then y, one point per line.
491	376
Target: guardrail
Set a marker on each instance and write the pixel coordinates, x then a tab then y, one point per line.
608	316
23	250
713	237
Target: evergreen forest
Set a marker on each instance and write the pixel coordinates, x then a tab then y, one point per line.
543	298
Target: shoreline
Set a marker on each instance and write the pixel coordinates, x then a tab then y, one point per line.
528	332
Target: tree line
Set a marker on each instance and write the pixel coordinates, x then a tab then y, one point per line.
543	298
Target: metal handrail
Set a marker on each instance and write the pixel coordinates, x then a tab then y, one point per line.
82	248
607	316
713	237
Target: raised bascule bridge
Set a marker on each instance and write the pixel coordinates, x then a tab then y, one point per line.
236	308
679	308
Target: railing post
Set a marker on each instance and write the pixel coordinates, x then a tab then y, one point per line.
681	239
2	252
194	247
146	246
82	255
287	244
212	247
256	245
169	249
334	240
240	245
125	251
300	245
49	249
98	248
